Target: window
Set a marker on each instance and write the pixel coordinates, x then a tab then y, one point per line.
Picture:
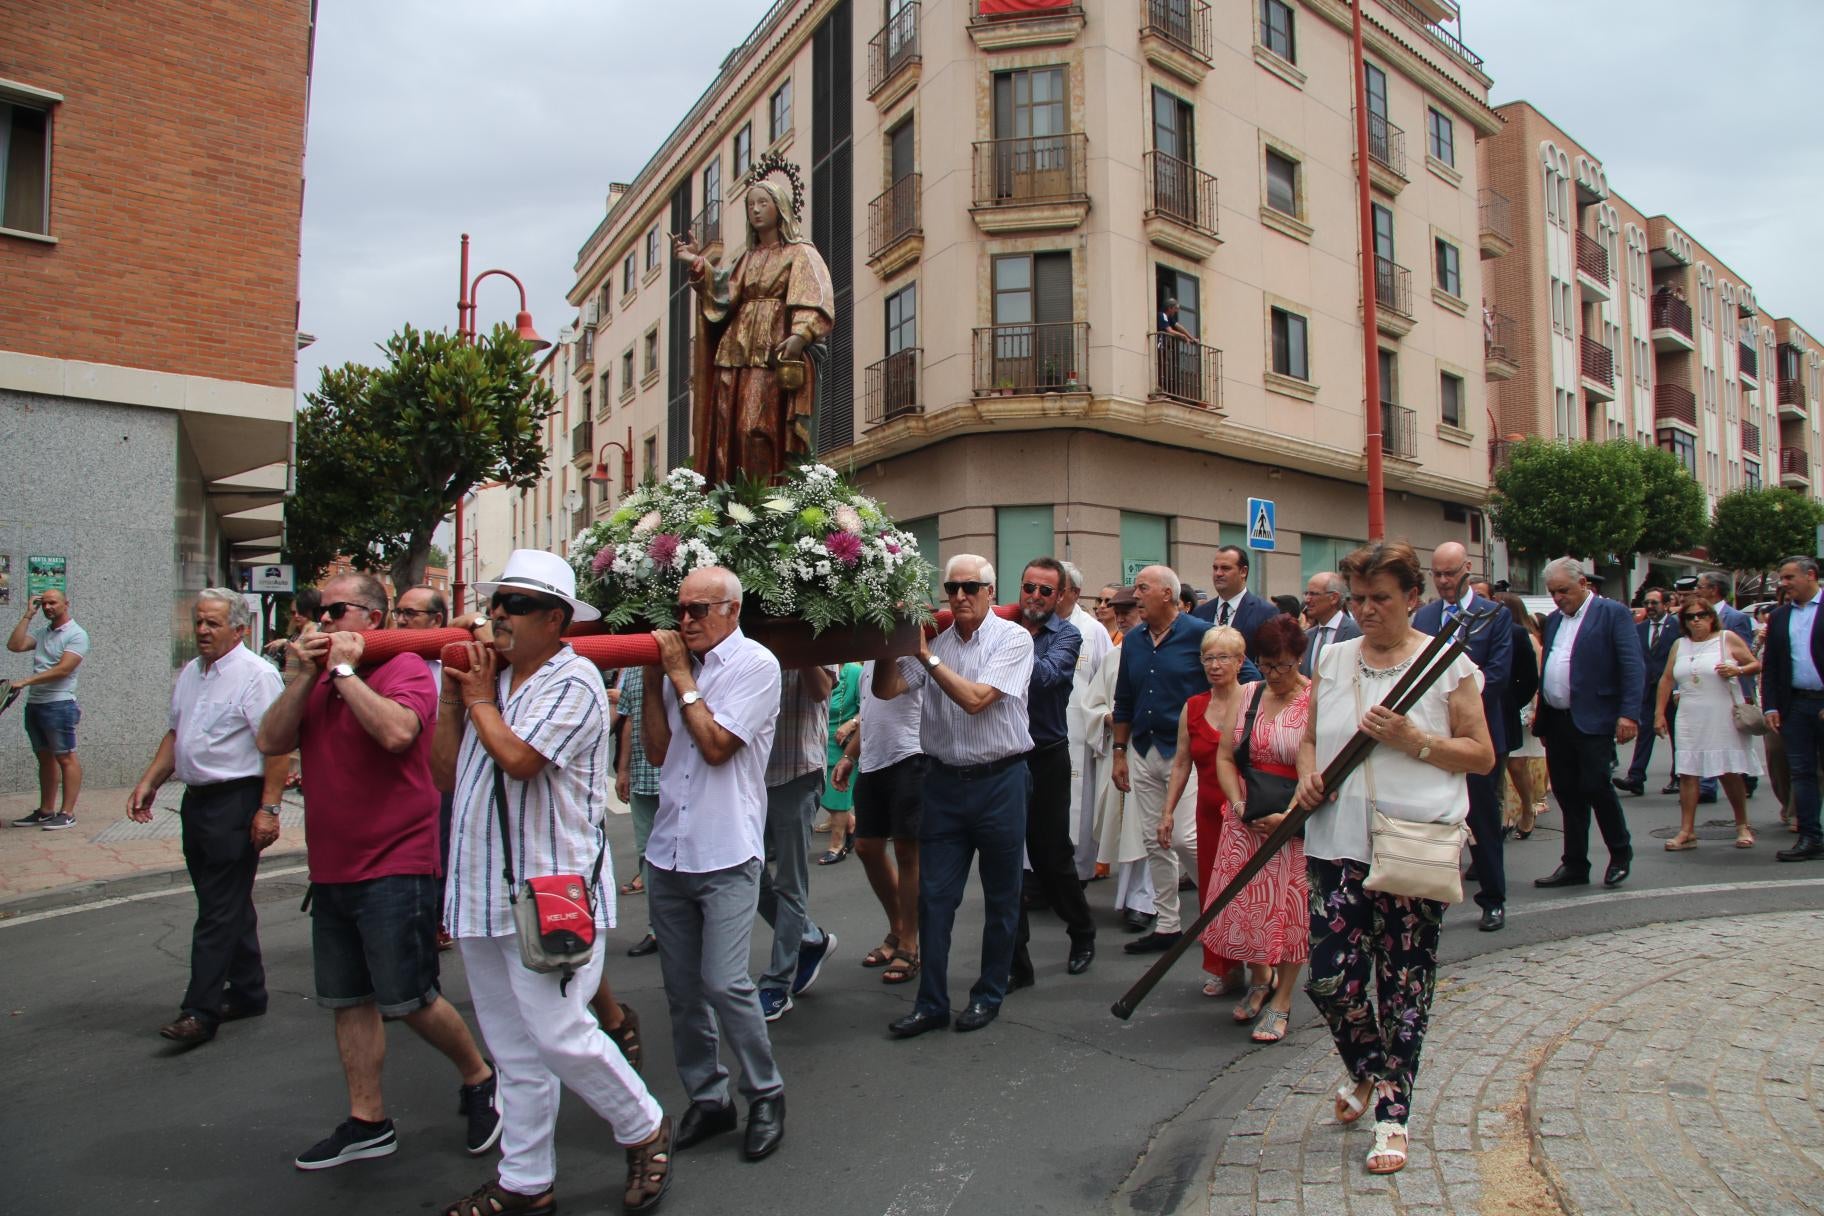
652	352
1681	445
627	270
1170	283
1383	232
1289	354
25	167
1450	278
1276	29
1440	137
744	149
779	112
652	248
1389	377
606	306
651	457
712	190
902	319
588	401
1282	183
1751	474
1034	342
1450	399
900	373
627	377
607	382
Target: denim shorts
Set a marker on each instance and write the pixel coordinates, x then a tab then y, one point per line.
376	941
51	725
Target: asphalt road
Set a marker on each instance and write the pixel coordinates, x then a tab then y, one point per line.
1046	1111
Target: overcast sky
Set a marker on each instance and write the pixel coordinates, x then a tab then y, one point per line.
508	121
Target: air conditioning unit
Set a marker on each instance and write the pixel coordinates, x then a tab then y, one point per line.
592	312
566	335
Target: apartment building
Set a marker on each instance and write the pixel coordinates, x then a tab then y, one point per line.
1006	194
1608	322
151	181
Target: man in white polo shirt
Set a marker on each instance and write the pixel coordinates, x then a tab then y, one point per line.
230	811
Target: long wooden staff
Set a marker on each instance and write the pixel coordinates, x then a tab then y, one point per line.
1406	692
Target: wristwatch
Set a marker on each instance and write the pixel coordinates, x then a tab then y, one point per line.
270	809
690	698
1425	749
340	670
933	662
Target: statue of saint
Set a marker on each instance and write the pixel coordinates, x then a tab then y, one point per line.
752	386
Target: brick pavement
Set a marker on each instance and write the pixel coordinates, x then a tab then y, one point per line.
1674	1068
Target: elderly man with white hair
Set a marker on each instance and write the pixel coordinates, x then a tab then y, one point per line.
230	810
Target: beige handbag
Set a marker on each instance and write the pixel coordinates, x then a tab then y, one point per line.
1408	859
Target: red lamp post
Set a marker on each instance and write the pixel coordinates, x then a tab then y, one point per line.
465	328
600	473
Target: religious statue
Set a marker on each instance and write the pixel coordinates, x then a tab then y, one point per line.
752	385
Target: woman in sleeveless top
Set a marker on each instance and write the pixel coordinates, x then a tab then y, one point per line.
1703	668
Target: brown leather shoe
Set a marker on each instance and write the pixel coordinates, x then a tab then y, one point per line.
188	1031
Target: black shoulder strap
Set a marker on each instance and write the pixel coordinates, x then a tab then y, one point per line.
1247	725
506	843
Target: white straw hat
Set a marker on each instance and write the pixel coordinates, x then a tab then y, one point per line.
546	573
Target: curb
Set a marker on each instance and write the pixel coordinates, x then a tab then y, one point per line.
142	882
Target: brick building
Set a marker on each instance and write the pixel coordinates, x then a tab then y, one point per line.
151	172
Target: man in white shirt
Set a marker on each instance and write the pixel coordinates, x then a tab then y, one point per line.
711	711
975	731
230	811
1096	645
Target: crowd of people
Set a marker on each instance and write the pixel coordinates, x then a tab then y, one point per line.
1120	737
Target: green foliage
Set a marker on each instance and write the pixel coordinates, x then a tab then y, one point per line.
435	556
1673	500
384	454
1754	529
1584	500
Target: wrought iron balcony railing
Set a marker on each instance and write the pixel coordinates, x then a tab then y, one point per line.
892	387
1592	258
1184	23
1399	431
1670	312
1031	169
893	216
1186	370
894	47
1392	286
1034	358
1180	191
1387	144
1674	403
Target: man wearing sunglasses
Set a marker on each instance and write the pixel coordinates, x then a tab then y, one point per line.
711	711
370	810
974	728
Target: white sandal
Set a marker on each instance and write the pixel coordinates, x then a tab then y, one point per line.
1384	1131
1346	1095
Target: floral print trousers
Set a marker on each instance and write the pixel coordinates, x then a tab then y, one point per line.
1361	937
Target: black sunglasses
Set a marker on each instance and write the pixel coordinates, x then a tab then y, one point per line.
515	603
1694	616
966	586
334	611
699	610
1037	589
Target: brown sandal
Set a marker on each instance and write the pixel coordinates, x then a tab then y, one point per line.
649	1171
626	1036
492	1199
882	954
902	970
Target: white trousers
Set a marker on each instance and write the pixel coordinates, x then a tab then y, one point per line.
1147	777
541	1040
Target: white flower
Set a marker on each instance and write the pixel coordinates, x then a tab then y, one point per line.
783	506
806	544
823	568
739	513
685	479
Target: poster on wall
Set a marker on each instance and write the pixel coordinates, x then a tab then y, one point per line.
44	574
6	579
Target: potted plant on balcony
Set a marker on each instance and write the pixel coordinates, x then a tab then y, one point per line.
1070	381
1048	372
1006	386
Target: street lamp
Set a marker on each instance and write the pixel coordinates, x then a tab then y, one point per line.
600	474
465	328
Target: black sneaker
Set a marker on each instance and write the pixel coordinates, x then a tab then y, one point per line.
34	820
481	1105
352	1141
58	822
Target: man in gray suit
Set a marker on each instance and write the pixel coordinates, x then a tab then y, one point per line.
1324	610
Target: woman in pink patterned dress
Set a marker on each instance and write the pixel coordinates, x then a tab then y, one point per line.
1268	926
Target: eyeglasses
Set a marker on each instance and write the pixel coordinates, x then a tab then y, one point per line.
1283	665
516	603
1219	658
966	586
699	610
413	612
336	610
1038	589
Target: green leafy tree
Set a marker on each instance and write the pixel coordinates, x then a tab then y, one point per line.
1672	499
384	454
1752	530
1579	499
437	557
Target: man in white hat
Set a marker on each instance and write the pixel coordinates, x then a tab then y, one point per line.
532	710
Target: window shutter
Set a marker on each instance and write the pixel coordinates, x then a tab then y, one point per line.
833	218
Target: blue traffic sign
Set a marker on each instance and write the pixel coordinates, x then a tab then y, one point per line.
1261	525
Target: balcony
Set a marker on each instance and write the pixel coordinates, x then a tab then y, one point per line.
1748	363
706	230
1592	267
1180	207
1175	37
582	440
893	57
1386	155
896	239
1596	363
891	387
1792	399
1399	432
1671	324
1795	468
1044	357
1751	440
1675	403
1500	355
582	358
1441	38
1495	216
1393	297
1185	371
1031	184
998	25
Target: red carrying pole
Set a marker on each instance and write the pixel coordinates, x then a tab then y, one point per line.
1371	347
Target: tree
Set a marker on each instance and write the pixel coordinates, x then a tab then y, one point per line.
435	556
1752	530
384	454
1672	500
1578	499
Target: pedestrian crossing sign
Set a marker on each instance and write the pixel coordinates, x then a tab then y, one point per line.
1260	525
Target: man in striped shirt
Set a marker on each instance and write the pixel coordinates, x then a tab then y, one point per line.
974	729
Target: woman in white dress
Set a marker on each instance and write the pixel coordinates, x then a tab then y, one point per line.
1703	668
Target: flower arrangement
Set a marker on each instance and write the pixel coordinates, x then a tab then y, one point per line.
811	547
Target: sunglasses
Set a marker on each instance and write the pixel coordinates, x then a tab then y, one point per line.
966	586
1694	616
516	603
336	610
699	610
1036	589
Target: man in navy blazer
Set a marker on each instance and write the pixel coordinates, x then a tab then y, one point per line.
1492	649
1230	602
1589	688
1656	633
1792	695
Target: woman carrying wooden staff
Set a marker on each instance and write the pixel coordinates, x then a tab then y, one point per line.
1374	954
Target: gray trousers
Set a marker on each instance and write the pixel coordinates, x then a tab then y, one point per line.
785	880
704	924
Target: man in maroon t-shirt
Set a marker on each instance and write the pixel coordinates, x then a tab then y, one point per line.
370	815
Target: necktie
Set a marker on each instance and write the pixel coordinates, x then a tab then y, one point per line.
1323	639
1653	636
1450	613
1222	616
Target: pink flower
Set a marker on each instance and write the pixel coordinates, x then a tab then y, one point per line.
893	548
849	520
604	558
662	548
844	547
647	523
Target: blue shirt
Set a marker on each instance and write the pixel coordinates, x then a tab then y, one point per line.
1798	633
50	645
1054	668
1155	681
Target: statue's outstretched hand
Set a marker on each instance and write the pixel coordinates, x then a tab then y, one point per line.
685	250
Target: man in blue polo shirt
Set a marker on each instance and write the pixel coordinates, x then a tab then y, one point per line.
51	712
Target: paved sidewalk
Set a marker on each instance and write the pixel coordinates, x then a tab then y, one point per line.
1675	1068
